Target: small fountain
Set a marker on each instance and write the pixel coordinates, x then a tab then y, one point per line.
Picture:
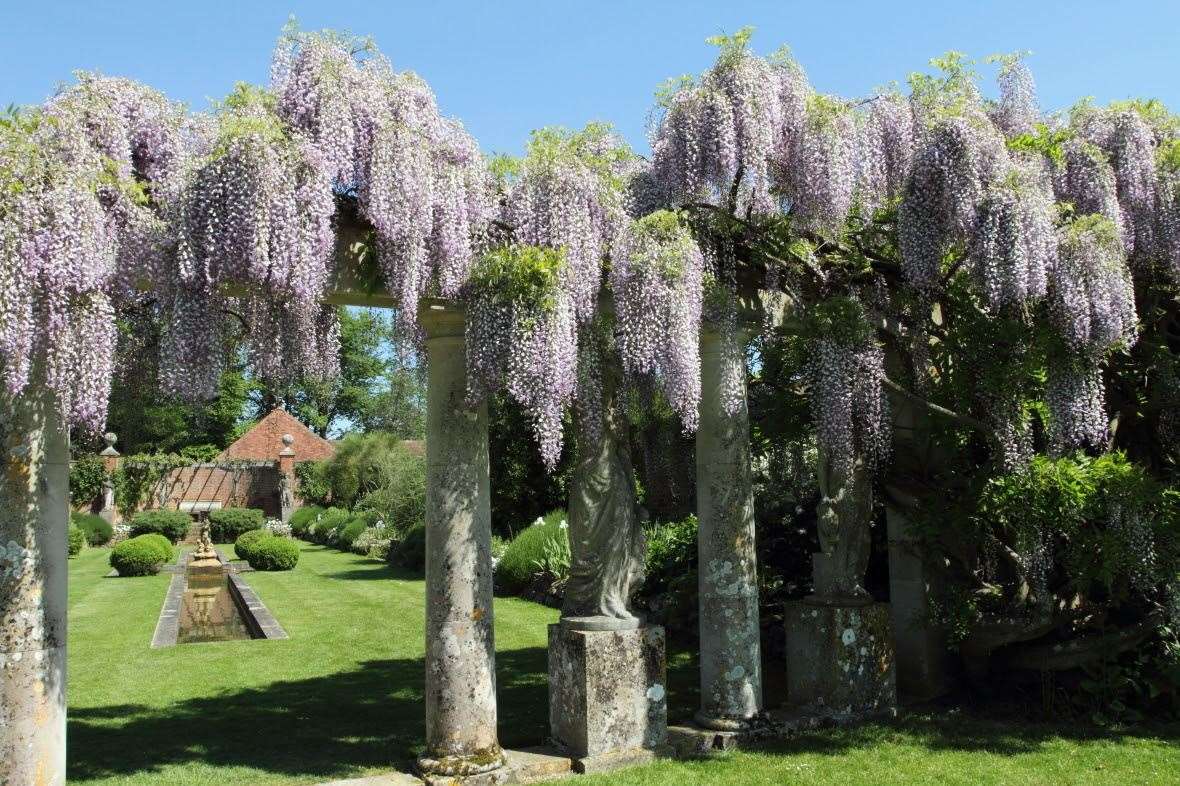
208	611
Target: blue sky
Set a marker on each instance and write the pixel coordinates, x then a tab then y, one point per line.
505	67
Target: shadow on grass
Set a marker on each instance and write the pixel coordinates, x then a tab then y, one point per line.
960	732
326	727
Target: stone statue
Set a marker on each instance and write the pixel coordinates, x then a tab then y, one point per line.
204	555
286	497
108	495
606	536
844	511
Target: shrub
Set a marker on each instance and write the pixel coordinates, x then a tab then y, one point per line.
325	529
410	553
172	524
371	472
350	532
76	539
303	518
143	555
313	485
373	542
244	545
98	530
86	478
273	553
529	550
226	525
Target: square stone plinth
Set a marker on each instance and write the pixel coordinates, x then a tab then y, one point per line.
607	690
840	658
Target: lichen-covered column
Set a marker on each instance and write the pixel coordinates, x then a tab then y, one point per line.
731	662
460	651
34	511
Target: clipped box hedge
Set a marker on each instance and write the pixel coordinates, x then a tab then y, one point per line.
172	524
244	545
227	524
97	529
273	553
142	555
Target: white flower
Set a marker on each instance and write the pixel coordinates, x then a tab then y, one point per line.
655	693
563	525
848	637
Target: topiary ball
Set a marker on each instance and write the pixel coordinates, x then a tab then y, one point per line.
274	553
141	556
77	538
246	543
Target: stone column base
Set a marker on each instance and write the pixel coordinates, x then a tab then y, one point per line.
840	658
607	690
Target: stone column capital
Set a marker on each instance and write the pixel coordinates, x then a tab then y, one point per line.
442	318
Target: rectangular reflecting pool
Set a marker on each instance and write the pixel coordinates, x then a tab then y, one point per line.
208	611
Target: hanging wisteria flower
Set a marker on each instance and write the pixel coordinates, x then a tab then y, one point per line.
419	178
521	337
656	277
1090	293
57	256
1092	304
885	147
1014	246
956	160
845	375
1128	140
256	216
1017	112
1085	179
820	171
570	192
716	139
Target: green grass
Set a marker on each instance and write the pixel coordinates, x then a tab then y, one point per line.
931	749
342	696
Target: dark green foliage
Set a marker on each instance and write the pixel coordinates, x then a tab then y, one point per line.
137	477
143	555
351	531
245	543
303	518
226	525
670	572
330	522
98	530
86	478
313	486
172	524
365	464
527	551
76	538
521	488
410	553
274	553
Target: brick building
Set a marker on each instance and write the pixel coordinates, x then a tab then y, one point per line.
246	474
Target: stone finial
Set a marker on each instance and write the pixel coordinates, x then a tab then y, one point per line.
110	438
287	450
288	440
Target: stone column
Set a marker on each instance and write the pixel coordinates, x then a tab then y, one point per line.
922	654
34	515
460	651
731	661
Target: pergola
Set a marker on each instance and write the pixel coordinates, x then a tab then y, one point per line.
460	692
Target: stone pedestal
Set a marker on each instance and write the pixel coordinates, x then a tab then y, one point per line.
731	660
840	659
607	691
922	654
460	651
34	515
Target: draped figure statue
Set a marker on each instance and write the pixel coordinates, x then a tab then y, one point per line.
606	537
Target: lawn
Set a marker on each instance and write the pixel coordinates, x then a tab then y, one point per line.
343	697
